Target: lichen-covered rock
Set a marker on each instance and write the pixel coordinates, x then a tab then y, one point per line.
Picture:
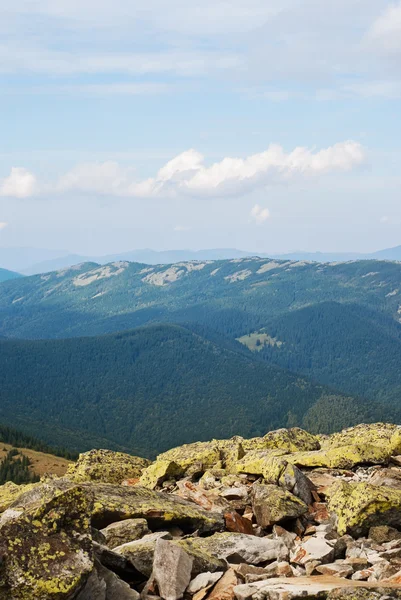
272	504
359	506
116	502
46	550
158	472
265	463
290	440
125	531
342	457
10	491
106	466
193	458
375	434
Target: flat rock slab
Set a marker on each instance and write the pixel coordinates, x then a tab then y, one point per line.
304	587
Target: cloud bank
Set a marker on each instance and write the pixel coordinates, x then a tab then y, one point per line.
188	175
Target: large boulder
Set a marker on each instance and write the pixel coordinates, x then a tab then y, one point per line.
117	502
106	466
46	547
359	506
289	440
172	568
342	457
272	504
193	458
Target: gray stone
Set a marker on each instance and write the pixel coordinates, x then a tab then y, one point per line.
125	531
204	580
141	552
105	585
172	569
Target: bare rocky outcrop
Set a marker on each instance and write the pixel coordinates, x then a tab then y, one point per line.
286	515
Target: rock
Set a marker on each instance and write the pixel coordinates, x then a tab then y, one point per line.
344	457
207	499
232	547
117	563
172	569
293	480
387	477
193	458
290	440
235	493
337	569
224	589
271	504
285	536
140	553
125	531
235	522
160	471
313	588
376	434
115	503
204	580
9	492
359	506
106	466
383	533
313	549
105	585
46	549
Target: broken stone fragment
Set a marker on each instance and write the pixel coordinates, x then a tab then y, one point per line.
172	568
204	580
105	585
125	531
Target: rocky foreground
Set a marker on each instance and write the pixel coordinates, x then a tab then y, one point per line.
289	515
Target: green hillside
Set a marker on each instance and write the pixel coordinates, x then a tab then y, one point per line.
350	347
153	388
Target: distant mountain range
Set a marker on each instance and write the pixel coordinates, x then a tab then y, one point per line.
263	342
31	261
5	275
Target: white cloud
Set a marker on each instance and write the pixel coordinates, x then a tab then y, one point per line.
188	175
19	184
386	30
3	224
259	214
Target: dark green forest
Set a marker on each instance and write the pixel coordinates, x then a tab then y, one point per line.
151	389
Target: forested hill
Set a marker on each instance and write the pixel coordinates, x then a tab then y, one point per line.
154	388
6	275
233	297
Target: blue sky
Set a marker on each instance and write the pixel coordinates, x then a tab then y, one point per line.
268	125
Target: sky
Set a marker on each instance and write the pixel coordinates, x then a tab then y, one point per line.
265	125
